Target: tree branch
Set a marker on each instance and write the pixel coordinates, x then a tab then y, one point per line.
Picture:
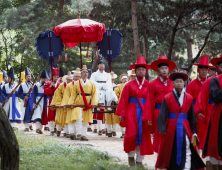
205	43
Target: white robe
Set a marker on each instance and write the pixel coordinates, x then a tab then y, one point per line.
107	94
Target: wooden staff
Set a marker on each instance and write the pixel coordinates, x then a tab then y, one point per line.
37	104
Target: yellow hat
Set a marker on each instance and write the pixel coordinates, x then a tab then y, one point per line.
77	72
84	67
121	76
68	76
113	75
131	72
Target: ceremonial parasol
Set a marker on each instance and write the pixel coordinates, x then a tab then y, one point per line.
75	31
49	46
110	46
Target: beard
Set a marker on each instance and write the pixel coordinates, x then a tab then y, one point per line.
101	69
28	81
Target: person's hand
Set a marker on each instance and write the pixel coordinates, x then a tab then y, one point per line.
14	91
34	105
121	118
199	115
6	100
31	87
52	84
26	97
93	106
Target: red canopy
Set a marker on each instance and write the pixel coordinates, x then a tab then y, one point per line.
75	31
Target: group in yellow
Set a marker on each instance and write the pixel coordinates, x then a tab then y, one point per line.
77	95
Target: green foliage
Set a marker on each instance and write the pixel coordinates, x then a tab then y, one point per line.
47	153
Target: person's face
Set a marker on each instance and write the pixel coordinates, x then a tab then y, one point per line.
212	72
140	72
43	80
5	79
101	67
68	80
55	78
178	84
113	80
124	80
163	70
132	77
28	78
46	80
85	74
219	69
76	77
203	72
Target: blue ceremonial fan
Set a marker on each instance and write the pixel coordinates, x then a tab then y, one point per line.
110	46
43	42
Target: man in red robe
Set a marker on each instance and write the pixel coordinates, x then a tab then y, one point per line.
159	87
177	124
193	89
213	143
49	89
204	105
134	98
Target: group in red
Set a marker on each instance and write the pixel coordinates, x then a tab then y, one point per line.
185	122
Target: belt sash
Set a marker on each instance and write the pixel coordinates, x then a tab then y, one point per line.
14	109
139	114
158	106
179	133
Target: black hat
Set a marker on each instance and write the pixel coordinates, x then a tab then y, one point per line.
11	73
178	75
4	74
27	71
44	74
49	73
61	72
184	68
101	61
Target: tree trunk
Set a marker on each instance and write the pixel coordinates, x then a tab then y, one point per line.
95	61
173	36
189	46
61	4
9	147
135	29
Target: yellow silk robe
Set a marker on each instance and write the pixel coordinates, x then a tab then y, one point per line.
57	100
77	99
65	101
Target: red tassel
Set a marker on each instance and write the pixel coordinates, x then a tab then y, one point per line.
66	59
87	54
60	58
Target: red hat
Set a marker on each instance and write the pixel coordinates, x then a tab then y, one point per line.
204	61
161	60
55	71
179	74
140	62
214	61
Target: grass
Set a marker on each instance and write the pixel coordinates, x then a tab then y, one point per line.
50	154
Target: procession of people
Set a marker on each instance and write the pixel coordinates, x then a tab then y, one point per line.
173	116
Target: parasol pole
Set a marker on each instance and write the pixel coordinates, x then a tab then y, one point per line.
50	52
109	34
80	54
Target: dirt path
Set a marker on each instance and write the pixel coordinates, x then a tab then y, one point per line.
114	146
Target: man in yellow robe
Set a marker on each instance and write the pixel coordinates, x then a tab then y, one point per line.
84	93
57	101
118	91
65	101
